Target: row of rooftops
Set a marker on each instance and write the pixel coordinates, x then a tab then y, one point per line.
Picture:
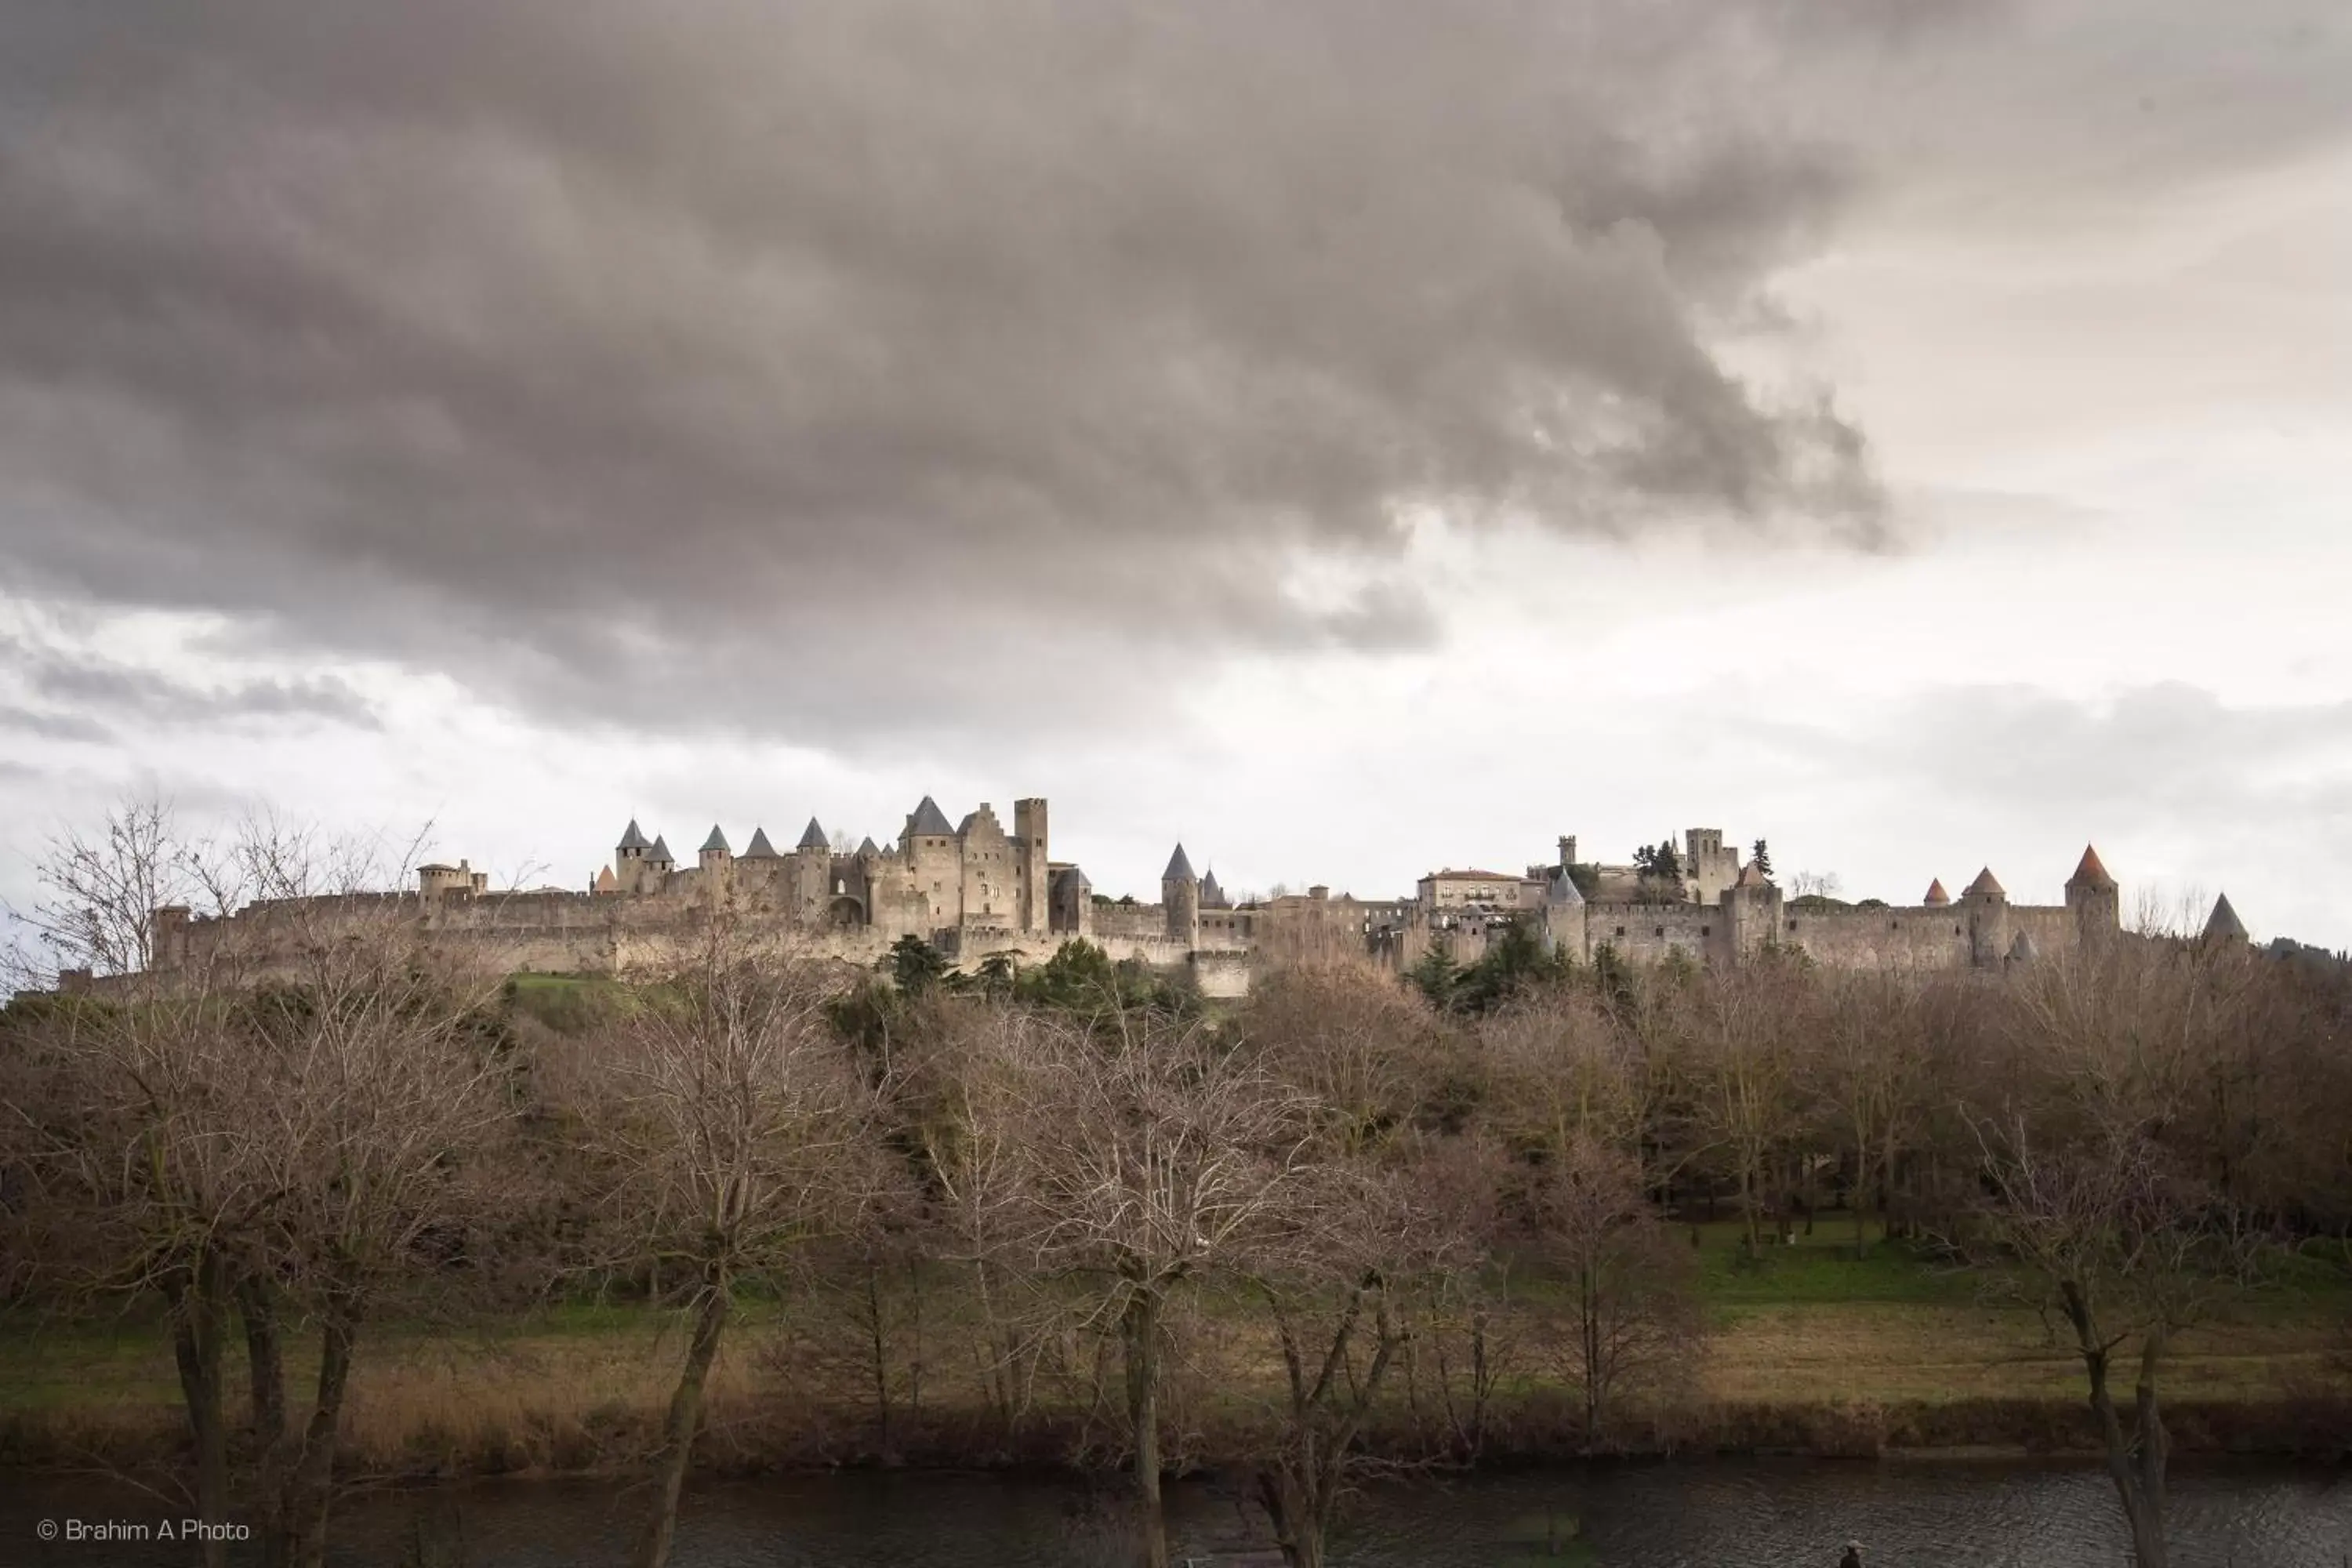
927	820
1179	869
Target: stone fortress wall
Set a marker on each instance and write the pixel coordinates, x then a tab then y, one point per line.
975	889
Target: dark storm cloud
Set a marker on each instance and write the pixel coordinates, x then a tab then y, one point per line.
829	364
649	360
83	687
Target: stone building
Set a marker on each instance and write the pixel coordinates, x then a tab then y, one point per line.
975	889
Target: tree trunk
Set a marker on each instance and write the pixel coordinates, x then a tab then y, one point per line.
310	1487
1588	1312
264	1355
264	1360
2155	1446
879	1344
196	1311
1298	1521
1861	1185
2143	1508
1747	1208
1140	1327
685	1416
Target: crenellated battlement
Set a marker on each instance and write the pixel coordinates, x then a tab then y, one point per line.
974	889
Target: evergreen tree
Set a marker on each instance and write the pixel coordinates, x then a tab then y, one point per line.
1763	860
915	964
1435	976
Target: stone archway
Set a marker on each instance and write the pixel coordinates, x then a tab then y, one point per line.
845	912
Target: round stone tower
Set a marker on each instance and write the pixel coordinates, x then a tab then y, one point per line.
1987	903
1179	896
2093	897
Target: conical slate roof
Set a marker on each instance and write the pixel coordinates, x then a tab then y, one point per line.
2023	950
1988	883
717	840
1179	869
2091	874
660	850
868	847
812	837
1211	895
1936	896
2224	925
635	838
930	821
1563	888
1750	876
761	849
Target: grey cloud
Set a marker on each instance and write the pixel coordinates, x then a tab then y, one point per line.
53	726
838	367
2163	754
84	686
2022	115
831	362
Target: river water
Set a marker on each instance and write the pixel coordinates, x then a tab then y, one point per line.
1707	1514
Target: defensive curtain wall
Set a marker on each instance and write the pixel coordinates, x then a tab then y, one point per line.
975	890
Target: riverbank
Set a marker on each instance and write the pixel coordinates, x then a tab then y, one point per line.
1816	1354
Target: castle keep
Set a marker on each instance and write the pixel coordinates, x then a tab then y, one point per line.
975	889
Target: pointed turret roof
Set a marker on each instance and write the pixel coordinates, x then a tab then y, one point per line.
1211	895
1987	885
1179	869
604	882
660	850
2091	874
635	836
1563	888
812	837
759	848
1936	896
2023	950
868	847
2223	924
1751	876
717	840
928	821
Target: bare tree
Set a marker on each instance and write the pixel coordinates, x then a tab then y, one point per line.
128	1114
1633	1320
271	1120
1335	1275
1360	1049
100	889
1745	1023
379	1091
1151	1156
1815	885
1868	1069
737	1123
2130	1252
2113	1222
965	1083
1562	1072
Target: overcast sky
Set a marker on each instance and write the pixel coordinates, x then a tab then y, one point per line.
1352	437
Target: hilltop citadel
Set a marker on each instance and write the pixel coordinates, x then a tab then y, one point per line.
974	889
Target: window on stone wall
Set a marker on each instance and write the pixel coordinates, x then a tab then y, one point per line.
1662	930
1957	931
1792	925
1701	931
1620	930
1893	925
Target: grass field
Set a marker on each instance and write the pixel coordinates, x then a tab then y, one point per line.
1810	1334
